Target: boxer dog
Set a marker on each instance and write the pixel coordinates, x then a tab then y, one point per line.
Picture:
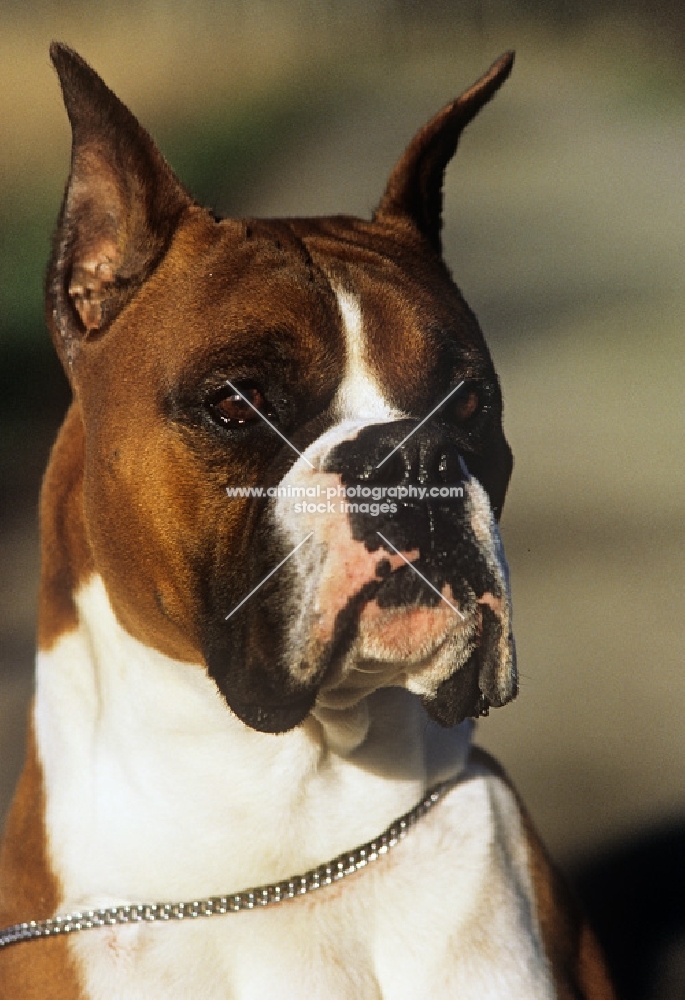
273	598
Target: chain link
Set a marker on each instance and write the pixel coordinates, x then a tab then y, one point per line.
248	899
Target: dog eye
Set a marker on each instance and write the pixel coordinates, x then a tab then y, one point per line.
467	402
238	404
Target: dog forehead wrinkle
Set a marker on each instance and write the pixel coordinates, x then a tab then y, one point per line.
359	395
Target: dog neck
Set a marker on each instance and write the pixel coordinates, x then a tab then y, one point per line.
151	782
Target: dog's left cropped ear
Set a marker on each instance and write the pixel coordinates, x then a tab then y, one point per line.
121	206
414	191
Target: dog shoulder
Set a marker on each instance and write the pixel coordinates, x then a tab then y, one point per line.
572	950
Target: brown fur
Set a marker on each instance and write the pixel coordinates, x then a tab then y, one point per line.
29	891
66	557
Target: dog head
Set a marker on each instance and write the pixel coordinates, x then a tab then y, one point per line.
329	364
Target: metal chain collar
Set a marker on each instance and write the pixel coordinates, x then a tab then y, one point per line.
249	899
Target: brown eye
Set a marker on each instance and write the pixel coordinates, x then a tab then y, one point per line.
239	403
466	404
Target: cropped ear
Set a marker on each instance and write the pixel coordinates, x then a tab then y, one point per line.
121	206
414	191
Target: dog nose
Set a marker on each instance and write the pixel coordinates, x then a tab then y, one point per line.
403	451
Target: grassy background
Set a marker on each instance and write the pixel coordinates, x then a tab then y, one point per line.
564	226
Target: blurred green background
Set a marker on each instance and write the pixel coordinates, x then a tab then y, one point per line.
565	228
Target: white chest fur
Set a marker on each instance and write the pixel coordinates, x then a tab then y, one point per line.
155	792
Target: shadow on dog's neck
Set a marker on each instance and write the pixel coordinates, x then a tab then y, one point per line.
389	734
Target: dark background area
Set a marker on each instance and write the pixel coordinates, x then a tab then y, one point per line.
565	223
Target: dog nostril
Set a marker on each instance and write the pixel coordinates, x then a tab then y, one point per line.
428	460
389	469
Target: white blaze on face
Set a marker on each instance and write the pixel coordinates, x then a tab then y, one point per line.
330	568
359	397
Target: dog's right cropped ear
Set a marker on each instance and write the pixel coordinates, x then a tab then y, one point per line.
121	206
414	191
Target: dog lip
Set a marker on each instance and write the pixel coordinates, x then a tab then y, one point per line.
280	718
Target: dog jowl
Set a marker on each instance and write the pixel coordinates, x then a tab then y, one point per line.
331	354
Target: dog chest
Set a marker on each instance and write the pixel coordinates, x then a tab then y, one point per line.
449	912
